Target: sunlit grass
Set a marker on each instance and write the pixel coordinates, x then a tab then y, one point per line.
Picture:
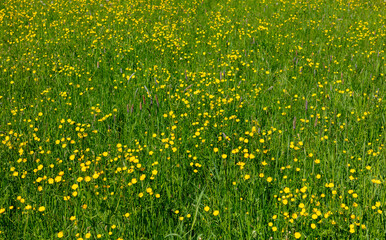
192	119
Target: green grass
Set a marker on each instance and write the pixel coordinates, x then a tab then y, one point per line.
192	119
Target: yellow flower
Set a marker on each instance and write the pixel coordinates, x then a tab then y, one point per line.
60	234
297	235
41	209
206	208
216	212
246	177
376	181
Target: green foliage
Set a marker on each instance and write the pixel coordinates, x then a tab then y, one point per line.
192	119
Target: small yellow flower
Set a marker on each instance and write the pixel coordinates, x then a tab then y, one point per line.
216	212
60	234
297	235
206	208
41	209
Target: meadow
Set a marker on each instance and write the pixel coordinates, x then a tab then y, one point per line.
192	119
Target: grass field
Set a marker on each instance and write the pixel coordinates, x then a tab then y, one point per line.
177	119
